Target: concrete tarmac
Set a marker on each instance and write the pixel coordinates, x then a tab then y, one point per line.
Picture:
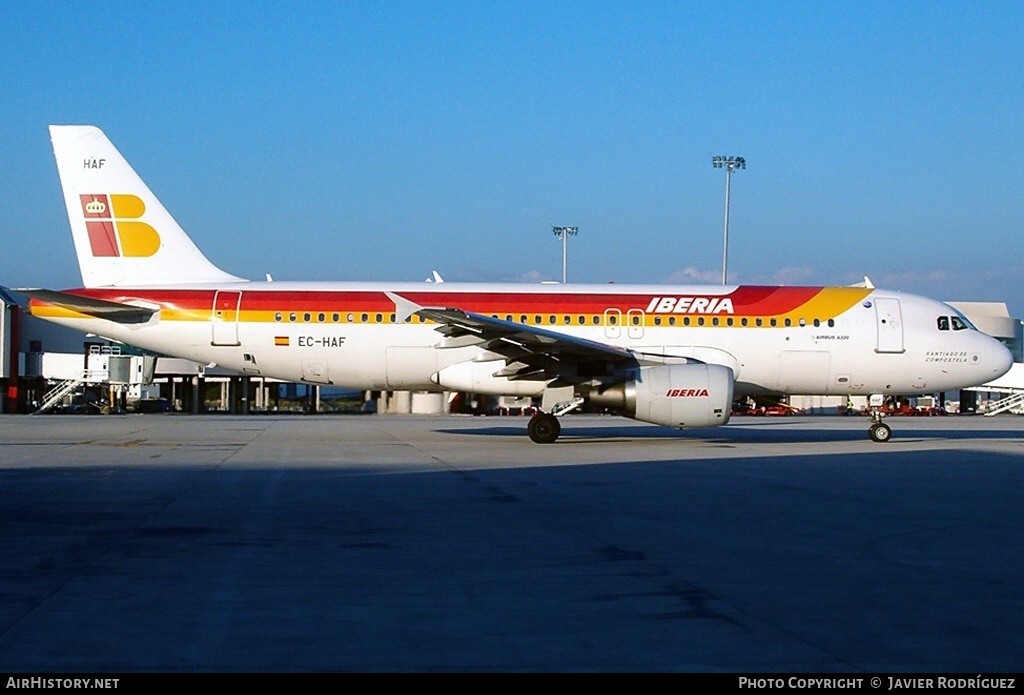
366	543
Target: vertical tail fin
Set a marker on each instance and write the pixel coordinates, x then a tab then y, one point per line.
123	235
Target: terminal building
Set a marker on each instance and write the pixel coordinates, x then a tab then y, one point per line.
48	368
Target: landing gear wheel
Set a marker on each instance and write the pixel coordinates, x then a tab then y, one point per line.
880	432
544	428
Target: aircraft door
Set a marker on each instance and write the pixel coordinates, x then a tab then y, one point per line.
226	304
890	325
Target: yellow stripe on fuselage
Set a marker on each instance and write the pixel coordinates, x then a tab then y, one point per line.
828	304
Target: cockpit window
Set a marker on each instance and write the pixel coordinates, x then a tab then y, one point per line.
958	322
964	322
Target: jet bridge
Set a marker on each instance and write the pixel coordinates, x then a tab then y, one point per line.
1011	385
104	364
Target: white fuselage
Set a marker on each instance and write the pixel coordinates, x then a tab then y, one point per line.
347	335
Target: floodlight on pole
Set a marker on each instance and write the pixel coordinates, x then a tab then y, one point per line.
729	164
564	232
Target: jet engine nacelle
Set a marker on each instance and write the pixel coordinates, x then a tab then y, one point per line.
676	395
684	395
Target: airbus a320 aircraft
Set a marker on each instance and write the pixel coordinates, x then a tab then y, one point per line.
671	355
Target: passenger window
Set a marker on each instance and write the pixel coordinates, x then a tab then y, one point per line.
612	320
743	321
714	321
817	323
759	322
582	319
277	316
700	321
831	323
636	320
789	322
567	320
365	318
350	318
335	317
657	320
671	320
774	322
292	317
306	317
321	318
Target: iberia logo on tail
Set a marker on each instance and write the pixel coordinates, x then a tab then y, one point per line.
114	227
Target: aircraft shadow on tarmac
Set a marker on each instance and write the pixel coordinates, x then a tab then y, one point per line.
743	433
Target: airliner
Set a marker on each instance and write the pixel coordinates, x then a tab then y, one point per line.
673	355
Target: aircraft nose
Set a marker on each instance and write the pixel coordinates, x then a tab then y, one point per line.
998	358
1003	358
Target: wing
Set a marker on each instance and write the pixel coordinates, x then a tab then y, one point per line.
530	353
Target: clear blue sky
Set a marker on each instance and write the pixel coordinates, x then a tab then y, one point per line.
383	140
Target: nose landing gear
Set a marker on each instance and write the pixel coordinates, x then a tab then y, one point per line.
878	431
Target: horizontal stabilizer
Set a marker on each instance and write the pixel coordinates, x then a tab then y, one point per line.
97	308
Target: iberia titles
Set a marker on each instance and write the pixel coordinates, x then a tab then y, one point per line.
690	305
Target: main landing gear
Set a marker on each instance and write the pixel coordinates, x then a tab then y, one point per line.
544	428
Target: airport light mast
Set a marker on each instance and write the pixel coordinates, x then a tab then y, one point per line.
565	232
729	164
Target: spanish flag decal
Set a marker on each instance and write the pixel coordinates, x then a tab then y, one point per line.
282	340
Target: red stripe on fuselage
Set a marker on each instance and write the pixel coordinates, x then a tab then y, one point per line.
747	301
